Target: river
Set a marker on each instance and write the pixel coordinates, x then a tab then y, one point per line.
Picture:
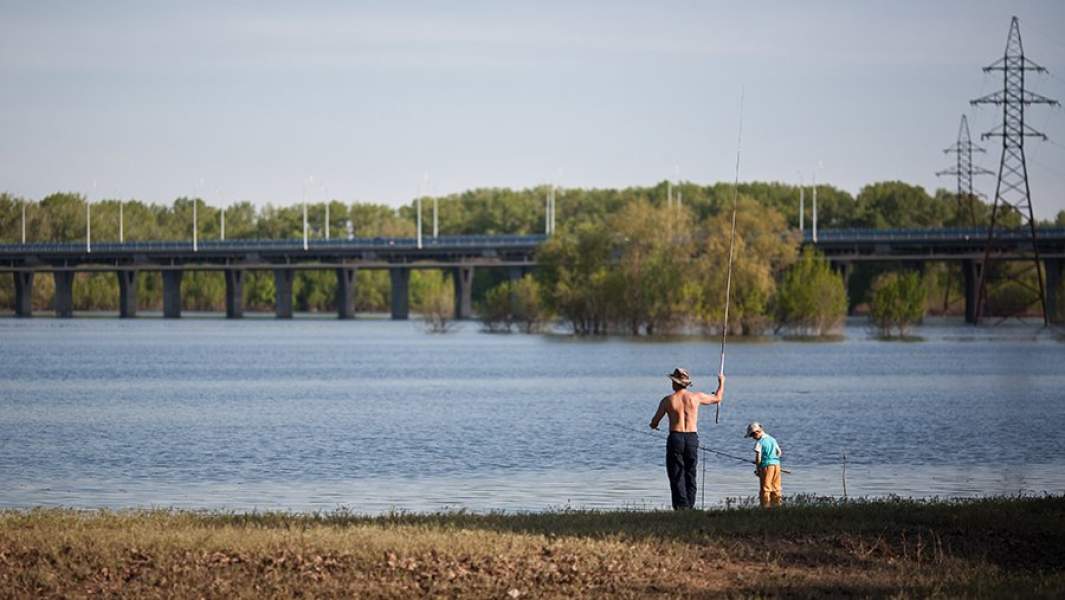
372	415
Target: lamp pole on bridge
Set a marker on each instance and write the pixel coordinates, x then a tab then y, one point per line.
309	181
325	192
88	219
418	208
195	225
814	215
222	213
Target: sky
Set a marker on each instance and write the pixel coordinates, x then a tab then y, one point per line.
360	101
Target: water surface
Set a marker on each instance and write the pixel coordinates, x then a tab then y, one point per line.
375	415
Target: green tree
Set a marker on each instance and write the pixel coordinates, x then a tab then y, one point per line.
496	311
653	250
894	204
763	249
898	302
433	296
576	276
514	302
811	299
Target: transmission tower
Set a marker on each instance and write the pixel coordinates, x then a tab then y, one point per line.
1012	193
964	169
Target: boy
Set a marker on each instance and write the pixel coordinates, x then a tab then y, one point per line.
766	465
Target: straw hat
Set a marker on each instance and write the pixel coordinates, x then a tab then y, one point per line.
681	377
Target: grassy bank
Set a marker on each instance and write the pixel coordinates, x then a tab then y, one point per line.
995	547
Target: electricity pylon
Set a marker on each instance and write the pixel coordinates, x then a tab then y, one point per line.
965	170
1012	192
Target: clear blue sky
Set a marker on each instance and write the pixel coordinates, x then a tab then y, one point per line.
147	98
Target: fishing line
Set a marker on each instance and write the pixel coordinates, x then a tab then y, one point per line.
701	448
731	242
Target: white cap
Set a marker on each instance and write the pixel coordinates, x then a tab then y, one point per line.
753	427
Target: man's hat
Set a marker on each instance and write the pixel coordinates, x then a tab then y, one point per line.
681	377
753	427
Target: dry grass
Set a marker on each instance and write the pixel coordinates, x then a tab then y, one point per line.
999	547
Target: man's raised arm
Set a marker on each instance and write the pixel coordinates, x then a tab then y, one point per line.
717	396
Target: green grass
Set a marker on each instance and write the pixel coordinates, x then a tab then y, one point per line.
999	547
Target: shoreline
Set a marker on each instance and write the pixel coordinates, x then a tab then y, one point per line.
988	547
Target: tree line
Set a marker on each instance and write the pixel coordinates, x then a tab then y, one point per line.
637	259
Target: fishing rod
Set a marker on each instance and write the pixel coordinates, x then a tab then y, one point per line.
701	448
731	242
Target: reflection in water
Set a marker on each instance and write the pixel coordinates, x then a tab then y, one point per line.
376	415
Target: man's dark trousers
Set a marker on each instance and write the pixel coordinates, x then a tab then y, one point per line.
682	456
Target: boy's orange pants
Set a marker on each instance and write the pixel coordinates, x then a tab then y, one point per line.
769	488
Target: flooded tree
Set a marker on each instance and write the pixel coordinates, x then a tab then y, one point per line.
898	301
811	300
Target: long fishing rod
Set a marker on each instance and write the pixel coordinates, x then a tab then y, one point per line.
731	242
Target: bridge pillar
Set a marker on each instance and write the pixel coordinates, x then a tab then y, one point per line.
127	294
843	268
63	299
970	270
172	294
1055	312
400	292
463	280
23	293
283	292
345	293
234	293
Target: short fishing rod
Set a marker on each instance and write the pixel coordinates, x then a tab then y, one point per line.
731	243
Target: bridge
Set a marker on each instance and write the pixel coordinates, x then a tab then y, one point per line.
915	247
459	255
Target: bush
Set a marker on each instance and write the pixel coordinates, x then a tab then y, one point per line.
494	311
812	299
527	305
435	300
898	301
514	302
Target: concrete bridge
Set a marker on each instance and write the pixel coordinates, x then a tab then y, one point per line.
915	247
459	255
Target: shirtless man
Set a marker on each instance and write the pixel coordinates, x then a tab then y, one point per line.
682	446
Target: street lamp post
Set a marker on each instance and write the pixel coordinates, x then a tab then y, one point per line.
195	228
88	220
814	219
310	180
418	204
222	213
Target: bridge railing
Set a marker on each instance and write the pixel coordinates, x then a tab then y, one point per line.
931	234
255	245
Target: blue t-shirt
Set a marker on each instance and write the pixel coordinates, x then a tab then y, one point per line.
770	450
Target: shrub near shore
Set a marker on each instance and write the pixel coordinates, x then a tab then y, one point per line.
981	548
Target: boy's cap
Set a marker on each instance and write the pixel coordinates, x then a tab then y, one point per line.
752	428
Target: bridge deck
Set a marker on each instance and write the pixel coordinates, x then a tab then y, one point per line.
379	252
